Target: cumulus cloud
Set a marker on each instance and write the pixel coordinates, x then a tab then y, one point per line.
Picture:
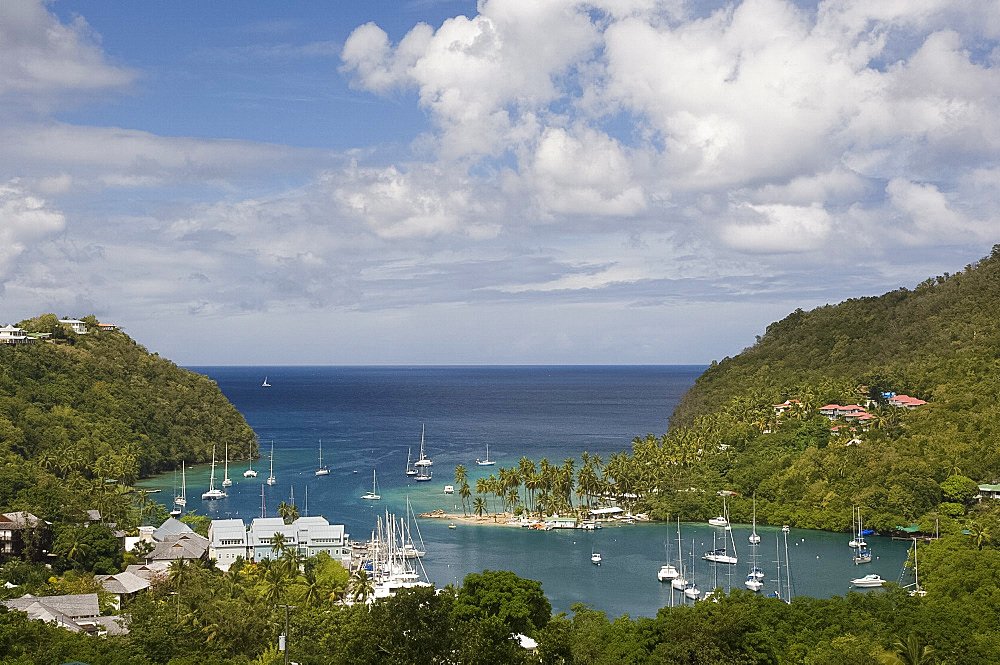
24	219
43	55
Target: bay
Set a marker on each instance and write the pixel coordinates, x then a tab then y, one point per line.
370	417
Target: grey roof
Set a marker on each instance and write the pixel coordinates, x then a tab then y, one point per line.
94	515
114	625
171	527
148	571
328	533
18	520
186	546
76	606
231	529
122	583
262	531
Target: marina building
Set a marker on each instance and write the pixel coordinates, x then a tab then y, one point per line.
230	539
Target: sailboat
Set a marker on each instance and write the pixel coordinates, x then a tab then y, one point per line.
176	510
755	576
723	519
861	552
270	478
322	470
410	549
487	461
754	537
213	493
679	582
721	554
181	500
265	384
250	473
424	461
410	471
917	591
668	571
371	496
226	481
691	589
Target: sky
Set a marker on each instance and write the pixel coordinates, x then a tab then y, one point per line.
508	182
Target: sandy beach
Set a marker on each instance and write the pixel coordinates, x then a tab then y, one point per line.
498	519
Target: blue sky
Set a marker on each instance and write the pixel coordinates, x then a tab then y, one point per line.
617	181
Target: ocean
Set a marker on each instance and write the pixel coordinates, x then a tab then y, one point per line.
370	418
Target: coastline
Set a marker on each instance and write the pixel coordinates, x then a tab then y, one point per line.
501	519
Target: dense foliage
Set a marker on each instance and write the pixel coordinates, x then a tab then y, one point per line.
83	416
198	614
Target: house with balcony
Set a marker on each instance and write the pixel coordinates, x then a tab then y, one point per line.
13	335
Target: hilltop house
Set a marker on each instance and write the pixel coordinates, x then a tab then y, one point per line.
12	528
78	326
14	335
76	612
787	405
906	402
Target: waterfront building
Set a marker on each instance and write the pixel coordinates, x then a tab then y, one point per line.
227	542
308	536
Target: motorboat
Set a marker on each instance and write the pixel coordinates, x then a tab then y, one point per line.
868	581
595	558
449	489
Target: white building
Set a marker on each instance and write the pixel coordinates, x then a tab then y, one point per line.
227	542
14	335
78	326
308	536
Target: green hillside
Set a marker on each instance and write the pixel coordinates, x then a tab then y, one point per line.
84	415
939	342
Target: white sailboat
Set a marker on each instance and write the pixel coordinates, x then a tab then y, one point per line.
322	470
917	591
754	537
424	461
721	554
265	384
691	589
176	510
679	582
861	552
755	576
487	461
181	499
250	473
410	471
668	571
226	480
723	519
212	492
410	550
372	495
270	478
424	476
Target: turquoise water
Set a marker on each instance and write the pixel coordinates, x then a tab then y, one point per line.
368	417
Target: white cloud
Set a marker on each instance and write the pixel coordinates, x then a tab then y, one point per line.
779	228
24	219
41	55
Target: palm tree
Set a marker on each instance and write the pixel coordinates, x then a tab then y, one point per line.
177	572
362	587
278	543
288	512
479	506
982	533
275	581
910	652
76	550
461	475
465	493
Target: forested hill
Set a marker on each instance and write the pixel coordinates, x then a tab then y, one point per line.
938	341
88	408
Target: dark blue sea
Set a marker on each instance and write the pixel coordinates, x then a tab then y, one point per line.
370	417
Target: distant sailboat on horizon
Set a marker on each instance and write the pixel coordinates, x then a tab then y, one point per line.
487	461
265	384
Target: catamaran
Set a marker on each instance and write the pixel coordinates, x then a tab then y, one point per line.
226	481
270	478
322	470
487	461
424	461
668	571
250	473
212	492
371	496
